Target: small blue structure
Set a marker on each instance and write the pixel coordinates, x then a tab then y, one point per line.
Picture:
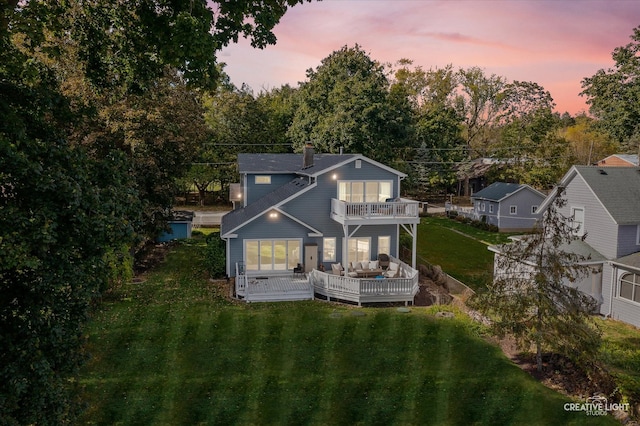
181	225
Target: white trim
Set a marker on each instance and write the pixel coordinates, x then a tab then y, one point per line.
636	287
364	188
295	219
272	240
335	249
276	207
580	231
354	158
513	210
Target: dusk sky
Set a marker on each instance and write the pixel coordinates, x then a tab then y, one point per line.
553	43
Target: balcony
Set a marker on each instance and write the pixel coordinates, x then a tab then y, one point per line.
382	213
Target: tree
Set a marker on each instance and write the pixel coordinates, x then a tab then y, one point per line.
480	102
613	95
346	104
533	294
587	142
434	133
63	215
68	210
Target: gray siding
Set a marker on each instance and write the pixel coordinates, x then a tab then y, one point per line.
618	308
601	230
627	240
313	207
524	200
257	191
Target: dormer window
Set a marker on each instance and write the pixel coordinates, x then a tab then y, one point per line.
263	180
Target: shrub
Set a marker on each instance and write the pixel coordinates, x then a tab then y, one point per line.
215	255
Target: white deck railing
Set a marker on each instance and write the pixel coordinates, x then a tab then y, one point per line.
375	210
462	211
367	290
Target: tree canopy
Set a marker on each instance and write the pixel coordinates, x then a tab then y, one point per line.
346	104
613	95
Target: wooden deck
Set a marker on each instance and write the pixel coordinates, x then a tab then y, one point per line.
273	288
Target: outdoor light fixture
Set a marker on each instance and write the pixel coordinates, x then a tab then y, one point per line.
273	215
335	176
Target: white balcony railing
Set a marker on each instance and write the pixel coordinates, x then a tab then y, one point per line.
380	210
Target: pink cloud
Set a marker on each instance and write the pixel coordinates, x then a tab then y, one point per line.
554	43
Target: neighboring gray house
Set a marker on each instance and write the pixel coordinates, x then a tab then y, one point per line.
605	205
309	213
509	206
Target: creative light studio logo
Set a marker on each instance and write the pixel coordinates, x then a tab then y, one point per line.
596	405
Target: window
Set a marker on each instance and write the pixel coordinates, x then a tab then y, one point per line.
263	180
329	249
384	244
482	207
490	208
272	255
359	249
577	214
534	209
358	164
513	209
364	191
630	287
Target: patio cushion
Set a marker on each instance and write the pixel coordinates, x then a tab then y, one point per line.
364	265
373	264
393	270
336	268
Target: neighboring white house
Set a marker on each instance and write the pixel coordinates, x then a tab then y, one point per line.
605	204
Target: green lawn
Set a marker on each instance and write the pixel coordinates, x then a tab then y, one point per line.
459	249
171	350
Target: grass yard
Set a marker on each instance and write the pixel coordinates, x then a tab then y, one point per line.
172	350
459	249
621	353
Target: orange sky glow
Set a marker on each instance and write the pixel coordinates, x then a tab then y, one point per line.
555	43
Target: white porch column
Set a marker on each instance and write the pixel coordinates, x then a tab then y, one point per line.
412	229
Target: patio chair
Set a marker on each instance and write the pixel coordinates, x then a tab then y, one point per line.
383	261
298	270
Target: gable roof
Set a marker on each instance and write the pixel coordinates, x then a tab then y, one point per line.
632	159
617	189
498	191
237	218
292	163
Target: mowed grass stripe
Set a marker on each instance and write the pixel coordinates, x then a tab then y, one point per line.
178	354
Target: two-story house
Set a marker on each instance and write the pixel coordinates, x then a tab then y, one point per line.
604	203
309	213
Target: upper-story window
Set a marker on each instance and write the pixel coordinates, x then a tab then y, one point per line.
490	208
577	214
368	191
263	179
534	209
513	209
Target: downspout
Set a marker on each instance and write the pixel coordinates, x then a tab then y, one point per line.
614	271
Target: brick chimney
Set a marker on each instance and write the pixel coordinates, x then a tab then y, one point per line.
307	155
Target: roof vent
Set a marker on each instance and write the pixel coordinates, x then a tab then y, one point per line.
602	172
